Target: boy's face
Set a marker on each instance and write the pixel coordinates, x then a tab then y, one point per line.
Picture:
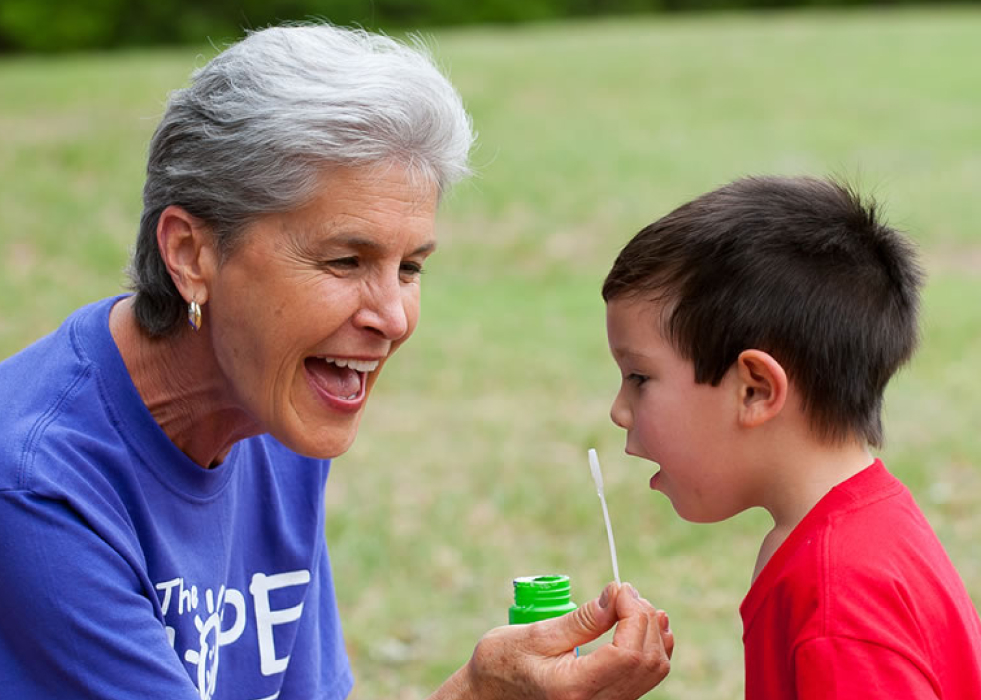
688	429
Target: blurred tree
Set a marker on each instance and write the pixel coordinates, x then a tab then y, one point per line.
63	25
54	25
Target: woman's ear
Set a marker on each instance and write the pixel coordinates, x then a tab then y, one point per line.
762	387
187	250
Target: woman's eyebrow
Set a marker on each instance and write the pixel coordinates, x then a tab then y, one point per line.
425	248
360	243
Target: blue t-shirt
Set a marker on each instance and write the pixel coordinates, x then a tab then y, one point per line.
127	570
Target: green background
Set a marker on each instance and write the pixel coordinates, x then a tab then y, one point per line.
471	464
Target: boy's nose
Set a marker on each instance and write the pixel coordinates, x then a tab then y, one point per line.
619	413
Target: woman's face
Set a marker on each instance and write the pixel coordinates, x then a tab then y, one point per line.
309	307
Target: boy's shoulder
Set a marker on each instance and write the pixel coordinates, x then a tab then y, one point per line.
866	562
863	589
868	527
865	540
871	511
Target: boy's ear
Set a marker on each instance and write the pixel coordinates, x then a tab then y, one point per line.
187	250
762	387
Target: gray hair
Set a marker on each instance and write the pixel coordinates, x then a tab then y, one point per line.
257	125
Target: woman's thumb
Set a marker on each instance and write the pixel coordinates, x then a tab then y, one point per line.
585	623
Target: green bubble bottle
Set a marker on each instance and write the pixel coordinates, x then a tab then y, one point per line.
539	598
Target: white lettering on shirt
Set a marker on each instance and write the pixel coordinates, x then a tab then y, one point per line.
266	618
199	647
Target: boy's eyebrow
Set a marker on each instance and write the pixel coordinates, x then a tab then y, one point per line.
627	353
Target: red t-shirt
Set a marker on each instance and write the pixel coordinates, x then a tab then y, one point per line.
861	601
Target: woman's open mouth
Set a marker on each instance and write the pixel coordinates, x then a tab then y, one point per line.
339	381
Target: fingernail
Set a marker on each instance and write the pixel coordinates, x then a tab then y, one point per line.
665	623
605	598
632	591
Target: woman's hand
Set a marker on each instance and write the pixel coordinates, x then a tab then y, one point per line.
538	661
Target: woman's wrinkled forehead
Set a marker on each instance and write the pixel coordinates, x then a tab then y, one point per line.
357	191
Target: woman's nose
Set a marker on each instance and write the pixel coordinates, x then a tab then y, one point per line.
383	310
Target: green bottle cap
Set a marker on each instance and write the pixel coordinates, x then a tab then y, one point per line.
539	598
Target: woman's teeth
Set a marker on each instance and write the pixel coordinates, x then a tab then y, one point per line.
356	365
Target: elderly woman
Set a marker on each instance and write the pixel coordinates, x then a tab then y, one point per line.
163	455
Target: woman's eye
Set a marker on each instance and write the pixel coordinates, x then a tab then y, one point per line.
410	270
348	263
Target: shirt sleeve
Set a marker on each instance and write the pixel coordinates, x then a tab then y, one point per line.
76	622
839	668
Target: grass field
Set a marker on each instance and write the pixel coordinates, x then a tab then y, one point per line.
471	465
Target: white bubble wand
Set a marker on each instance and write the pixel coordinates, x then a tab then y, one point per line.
594	467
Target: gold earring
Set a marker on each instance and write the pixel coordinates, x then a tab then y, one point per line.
194	315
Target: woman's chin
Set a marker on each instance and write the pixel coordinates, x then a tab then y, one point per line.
335	446
324	442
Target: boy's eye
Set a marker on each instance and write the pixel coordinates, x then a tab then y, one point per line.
636	379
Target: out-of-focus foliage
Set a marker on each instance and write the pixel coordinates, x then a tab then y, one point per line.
65	25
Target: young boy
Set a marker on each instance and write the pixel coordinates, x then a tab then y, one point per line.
755	329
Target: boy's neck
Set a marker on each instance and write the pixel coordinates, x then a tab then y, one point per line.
798	486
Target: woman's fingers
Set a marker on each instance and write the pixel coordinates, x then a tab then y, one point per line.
636	618
667	636
638	657
581	626
536	660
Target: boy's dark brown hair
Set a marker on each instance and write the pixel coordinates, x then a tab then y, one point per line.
801	268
